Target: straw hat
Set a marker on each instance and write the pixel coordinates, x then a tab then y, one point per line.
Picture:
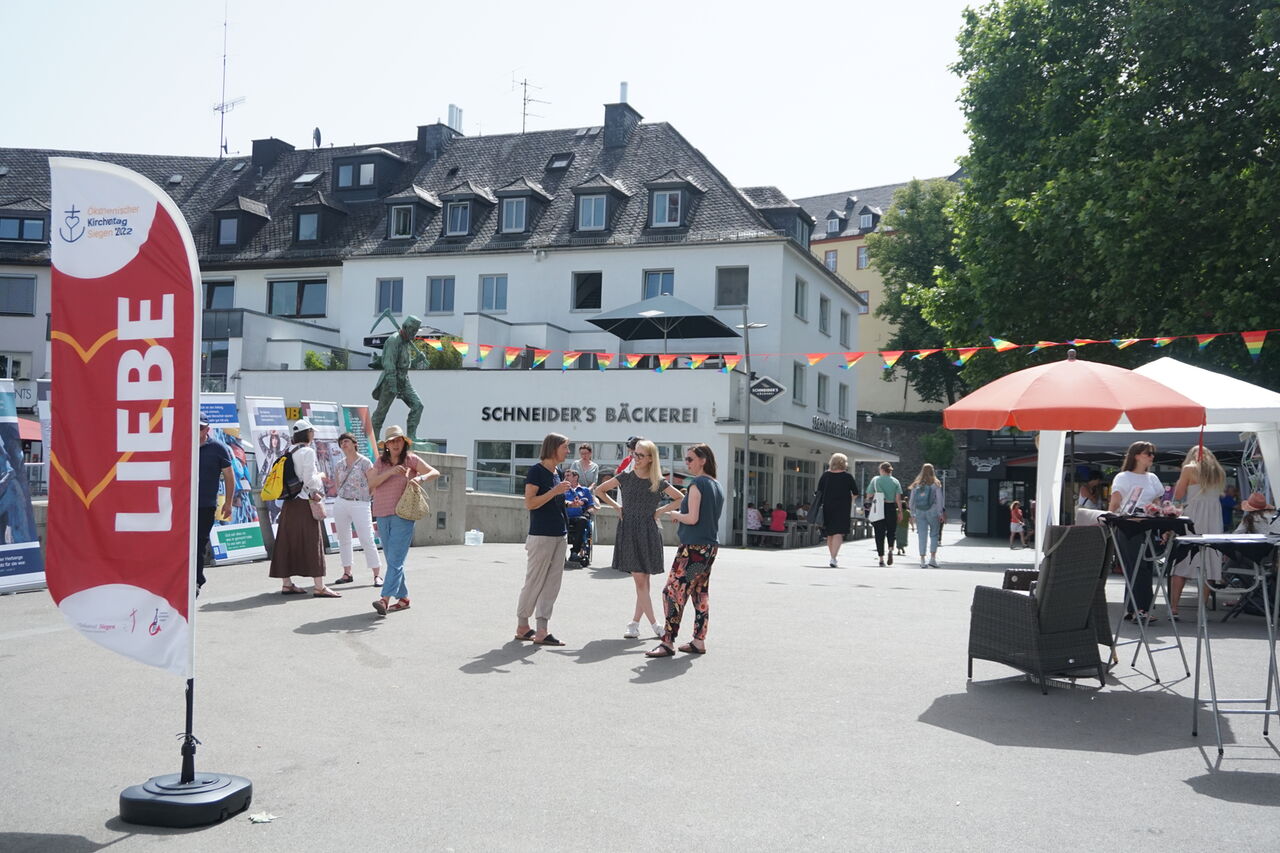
394	431
1257	502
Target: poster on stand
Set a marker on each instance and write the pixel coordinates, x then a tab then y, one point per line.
357	422
125	347
327	420
241	537
269	433
21	564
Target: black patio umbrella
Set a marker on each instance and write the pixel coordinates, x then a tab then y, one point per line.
662	317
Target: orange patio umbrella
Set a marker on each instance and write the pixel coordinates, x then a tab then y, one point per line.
1073	395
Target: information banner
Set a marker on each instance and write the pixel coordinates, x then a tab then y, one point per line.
125	348
269	431
357	422
21	564
235	542
224	426
327	420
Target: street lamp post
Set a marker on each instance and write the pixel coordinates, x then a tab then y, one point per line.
746	328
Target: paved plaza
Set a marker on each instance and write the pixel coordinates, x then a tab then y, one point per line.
831	712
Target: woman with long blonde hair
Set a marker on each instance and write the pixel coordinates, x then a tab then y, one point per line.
927	505
1200	485
638	542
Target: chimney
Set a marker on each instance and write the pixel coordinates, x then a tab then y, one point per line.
455	118
622	92
620	122
267	151
433	139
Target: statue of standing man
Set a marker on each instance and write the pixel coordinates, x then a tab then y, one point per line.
398	354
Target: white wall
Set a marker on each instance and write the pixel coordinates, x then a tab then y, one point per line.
25	335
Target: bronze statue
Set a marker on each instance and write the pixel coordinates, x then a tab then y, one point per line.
398	354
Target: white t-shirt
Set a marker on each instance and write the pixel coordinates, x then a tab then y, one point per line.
1152	488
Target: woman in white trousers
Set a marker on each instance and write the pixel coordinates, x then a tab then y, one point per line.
352	509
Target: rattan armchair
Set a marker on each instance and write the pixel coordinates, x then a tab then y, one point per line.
1051	632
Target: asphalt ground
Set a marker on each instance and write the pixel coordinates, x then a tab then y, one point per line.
831	712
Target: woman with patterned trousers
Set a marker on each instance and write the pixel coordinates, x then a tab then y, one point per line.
389	478
699	519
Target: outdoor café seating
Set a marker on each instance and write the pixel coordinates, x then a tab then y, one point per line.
1054	630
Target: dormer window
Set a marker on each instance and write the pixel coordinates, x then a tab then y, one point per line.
833	226
346	175
591	213
23	228
355	175
865	221
400	222
667	208
228	230
459	219
514	215
308	227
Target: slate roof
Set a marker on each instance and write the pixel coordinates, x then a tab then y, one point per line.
767	198
877	199
653	152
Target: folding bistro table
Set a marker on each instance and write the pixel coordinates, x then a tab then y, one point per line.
1252	549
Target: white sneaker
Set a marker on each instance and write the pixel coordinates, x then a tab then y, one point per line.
934	562
832	564
923	563
657	629
632	632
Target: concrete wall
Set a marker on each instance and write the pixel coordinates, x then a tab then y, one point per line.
503	518
446	522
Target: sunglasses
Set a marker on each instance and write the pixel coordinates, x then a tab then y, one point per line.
691	458
641	455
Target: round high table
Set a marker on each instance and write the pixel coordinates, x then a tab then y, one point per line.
1252	549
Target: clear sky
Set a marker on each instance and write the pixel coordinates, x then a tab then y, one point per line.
813	98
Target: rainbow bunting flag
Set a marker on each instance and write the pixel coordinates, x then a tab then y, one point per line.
891	357
1045	345
1164	342
510	354
569	358
539	356
1203	340
665	361
815	357
632	359
730	362
482	352
695	361
604	359
1121	343
1253	342
850	359
963	354
1079	342
925	353
1002	345
462	347
434	343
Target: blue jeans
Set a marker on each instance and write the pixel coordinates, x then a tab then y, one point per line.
928	528
397	535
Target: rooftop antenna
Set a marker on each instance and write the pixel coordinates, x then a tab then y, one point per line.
224	106
525	100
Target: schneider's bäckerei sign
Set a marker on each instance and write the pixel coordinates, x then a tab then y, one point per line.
125	354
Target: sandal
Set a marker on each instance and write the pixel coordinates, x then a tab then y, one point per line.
293	590
527	635
691	649
380	605
662	651
549	640
402	604
344	579
325	593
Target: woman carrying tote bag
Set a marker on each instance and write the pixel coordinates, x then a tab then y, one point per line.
395	468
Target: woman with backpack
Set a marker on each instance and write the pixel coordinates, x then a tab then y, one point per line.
299	548
928	506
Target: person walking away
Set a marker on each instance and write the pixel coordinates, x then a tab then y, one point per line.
353	507
395	468
1135	475
690	576
1200	485
299	548
638	551
545	545
889	490
929	510
215	461
833	503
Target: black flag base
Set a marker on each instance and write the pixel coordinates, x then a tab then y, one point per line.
168	801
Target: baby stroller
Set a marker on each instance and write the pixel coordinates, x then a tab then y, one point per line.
580	529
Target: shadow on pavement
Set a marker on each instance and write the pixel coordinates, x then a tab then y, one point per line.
597	651
654	670
1013	712
262	599
36	842
500	659
1255	789
352	623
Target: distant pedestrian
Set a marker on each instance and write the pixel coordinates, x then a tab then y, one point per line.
886	491
833	503
1017	526
299	548
544	548
1230	500
928	507
588	469
215	462
396	467
352	507
690	576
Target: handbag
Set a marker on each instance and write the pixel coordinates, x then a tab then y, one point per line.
317	510
413	504
877	508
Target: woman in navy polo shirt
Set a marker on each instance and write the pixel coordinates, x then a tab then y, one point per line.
543	497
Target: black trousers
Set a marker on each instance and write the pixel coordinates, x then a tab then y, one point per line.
886	528
1137	571
204	524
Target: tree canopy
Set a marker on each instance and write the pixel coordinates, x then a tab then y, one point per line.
1121	180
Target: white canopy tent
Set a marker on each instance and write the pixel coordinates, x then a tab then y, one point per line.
1231	405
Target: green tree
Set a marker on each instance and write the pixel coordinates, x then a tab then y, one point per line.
445	358
1121	180
312	360
914	247
939	447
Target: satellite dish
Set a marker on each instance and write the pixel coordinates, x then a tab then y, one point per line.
315	137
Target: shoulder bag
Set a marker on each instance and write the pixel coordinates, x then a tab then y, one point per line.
413	504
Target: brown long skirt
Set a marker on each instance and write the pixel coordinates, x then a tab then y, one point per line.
299	548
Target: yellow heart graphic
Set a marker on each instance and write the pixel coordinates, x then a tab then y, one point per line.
75	486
